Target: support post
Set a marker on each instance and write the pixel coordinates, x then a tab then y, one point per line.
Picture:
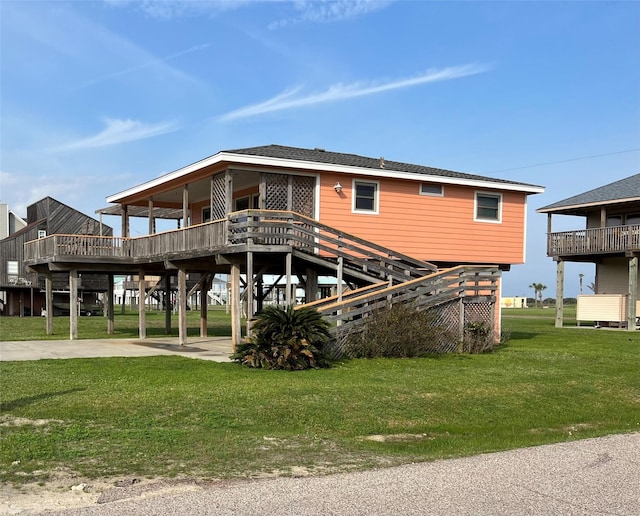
48	303
167	304
633	293
204	302
73	304
152	219
142	313
560	293
109	305
182	306
311	288
236	332
288	272
250	289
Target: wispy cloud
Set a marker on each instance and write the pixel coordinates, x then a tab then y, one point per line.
118	131
148	64
289	98
328	11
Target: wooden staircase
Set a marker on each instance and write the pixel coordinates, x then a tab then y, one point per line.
384	277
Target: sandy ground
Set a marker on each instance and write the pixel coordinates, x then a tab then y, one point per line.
66	492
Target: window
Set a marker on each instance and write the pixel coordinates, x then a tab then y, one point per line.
42	233
242	203
12	268
206	214
488	207
633	219
365	196
431	189
255	201
614	220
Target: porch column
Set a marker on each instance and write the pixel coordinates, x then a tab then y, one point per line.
125	220
142	314
236	332
633	293
73	304
185	206
48	303
182	306
559	293
109	305
152	219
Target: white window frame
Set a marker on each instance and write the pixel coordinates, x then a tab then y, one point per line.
376	200
431	194
42	233
475	207
204	218
13	268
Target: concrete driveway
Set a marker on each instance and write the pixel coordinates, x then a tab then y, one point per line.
210	348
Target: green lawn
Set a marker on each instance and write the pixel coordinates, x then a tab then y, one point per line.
169	416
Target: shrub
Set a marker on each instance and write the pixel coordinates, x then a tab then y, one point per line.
478	337
400	331
285	338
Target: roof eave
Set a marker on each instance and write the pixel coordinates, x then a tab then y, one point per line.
585	206
245	159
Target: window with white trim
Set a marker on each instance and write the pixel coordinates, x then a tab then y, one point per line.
365	196
488	207
13	268
432	189
42	233
206	214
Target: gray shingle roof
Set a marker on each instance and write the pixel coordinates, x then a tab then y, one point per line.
627	189
353	160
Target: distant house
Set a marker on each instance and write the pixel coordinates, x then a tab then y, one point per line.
611	240
22	289
386	231
9	221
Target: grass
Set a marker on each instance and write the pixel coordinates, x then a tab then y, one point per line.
173	416
126	326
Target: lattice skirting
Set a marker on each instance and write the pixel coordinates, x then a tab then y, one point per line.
462	327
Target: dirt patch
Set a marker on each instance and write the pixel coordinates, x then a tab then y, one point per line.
397	438
9	420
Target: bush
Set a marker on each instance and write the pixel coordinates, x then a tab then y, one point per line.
285	338
478	337
400	331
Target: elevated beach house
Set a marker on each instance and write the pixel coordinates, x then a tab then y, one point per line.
610	239
385	231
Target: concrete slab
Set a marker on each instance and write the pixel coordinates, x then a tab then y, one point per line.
210	348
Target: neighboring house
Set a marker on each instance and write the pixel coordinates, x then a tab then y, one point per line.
610	240
384	230
9	221
22	289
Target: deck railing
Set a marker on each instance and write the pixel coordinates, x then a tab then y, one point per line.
614	239
252	227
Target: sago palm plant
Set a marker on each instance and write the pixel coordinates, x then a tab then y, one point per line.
285	338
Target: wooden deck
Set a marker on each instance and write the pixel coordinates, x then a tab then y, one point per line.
585	242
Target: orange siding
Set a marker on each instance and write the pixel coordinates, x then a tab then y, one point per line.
429	227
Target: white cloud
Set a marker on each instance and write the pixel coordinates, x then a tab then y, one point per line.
288	99
327	11
118	131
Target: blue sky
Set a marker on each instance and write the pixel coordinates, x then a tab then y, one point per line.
99	96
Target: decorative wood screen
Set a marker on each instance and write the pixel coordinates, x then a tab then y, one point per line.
290	193
218	197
